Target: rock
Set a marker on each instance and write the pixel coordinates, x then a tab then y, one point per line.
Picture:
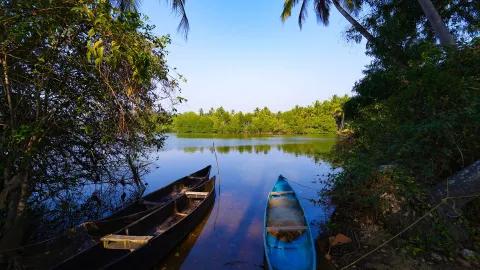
386	168
468	254
464	263
436	257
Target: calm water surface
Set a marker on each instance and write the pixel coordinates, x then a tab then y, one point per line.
230	237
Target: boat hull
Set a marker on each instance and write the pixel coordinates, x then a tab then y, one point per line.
287	237
146	256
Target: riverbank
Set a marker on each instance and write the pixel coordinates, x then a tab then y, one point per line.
396	222
367	249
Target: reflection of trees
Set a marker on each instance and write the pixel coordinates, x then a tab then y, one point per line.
316	150
67	207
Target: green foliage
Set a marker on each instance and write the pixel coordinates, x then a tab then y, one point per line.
414	122
431	119
79	98
319	118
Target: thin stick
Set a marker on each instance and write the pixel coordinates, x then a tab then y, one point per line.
219	187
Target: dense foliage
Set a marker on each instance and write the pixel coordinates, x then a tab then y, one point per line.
415	121
321	117
79	104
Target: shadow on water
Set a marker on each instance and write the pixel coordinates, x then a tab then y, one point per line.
180	253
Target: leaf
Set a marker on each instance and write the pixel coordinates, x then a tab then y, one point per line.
91	32
339	239
100	52
97	43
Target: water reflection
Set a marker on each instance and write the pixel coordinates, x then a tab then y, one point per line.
231	237
180	253
316	149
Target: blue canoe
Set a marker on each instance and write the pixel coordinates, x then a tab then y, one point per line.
287	237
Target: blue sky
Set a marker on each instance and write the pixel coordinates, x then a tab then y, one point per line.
240	55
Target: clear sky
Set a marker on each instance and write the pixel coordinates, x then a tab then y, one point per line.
240	55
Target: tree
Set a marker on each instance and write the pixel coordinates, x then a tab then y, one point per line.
178	6
318	118
79	101
445	37
322	9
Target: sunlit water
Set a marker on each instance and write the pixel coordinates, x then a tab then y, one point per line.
230	237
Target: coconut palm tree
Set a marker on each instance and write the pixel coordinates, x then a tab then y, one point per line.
177	6
322	9
441	31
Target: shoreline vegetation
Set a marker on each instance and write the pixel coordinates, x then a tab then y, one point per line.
414	121
322	117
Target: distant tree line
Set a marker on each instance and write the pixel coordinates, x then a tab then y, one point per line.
320	117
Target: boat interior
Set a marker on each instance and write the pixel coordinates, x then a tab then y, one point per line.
163	195
287	236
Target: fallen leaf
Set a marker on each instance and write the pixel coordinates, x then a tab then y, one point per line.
339	239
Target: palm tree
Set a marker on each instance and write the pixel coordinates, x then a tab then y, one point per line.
177	6
322	9
441	31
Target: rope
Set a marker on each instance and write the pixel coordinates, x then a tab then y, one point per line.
391	239
443	201
302	185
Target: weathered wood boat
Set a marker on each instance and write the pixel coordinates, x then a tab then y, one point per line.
48	253
144	242
165	194
287	237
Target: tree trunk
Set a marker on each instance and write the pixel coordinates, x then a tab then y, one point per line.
135	173
342	125
441	31
362	30
6	86
13	230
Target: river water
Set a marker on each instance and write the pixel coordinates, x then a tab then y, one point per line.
230	237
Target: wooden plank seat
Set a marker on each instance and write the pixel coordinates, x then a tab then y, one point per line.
117	241
196	194
196	177
286	228
280	193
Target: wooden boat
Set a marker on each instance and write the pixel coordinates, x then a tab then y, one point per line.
287	237
164	194
144	242
73	241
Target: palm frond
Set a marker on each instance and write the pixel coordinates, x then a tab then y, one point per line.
353	6
287	9
178	6
303	13
322	9
126	5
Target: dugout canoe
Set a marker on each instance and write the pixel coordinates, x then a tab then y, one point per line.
143	243
287	237
165	194
48	253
